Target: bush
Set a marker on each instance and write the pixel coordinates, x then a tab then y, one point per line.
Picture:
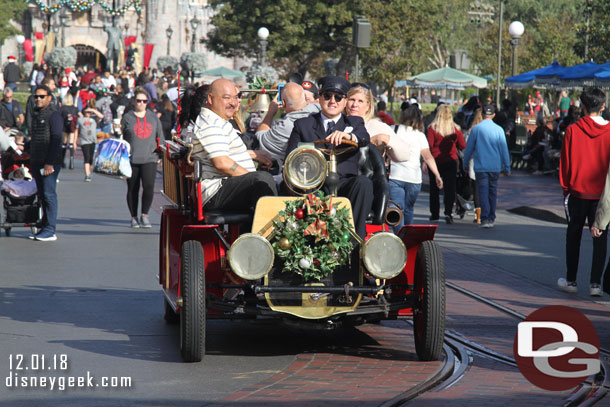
61	57
193	62
168	61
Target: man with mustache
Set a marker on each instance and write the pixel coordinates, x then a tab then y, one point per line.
230	180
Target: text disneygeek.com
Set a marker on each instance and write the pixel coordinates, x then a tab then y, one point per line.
26	371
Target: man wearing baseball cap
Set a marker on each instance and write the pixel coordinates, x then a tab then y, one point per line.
12	74
334	127
487	145
311	91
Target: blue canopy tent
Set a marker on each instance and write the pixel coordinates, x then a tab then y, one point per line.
582	75
528	79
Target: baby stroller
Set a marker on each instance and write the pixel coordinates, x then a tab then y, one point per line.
21	206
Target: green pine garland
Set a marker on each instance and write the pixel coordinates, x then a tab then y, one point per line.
321	253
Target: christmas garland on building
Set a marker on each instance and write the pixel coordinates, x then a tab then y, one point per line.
312	236
84	5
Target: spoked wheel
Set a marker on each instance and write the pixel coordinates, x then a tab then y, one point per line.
429	308
192	313
170	316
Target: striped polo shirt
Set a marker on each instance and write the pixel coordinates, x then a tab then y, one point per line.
216	137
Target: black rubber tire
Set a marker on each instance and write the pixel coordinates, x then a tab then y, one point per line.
429	308
192	312
7	231
170	316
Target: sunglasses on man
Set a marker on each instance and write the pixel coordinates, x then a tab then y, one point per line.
141	100
40	96
329	96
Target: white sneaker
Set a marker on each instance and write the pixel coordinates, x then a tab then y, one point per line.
595	290
567	286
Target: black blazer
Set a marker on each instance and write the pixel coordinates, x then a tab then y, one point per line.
311	128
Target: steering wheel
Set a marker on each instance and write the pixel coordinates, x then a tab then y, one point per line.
348	146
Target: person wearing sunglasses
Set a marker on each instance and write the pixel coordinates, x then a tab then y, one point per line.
332	125
45	150
142	129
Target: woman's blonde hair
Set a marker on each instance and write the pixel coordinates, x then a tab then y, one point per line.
368	95
443	122
477	117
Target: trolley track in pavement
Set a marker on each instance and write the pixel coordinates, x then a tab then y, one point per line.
459	352
591	391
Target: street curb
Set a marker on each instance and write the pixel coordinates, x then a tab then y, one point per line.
539	213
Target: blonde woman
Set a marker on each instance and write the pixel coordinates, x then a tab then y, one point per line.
444	138
360	103
404	147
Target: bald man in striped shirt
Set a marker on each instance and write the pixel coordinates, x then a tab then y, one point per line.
230	180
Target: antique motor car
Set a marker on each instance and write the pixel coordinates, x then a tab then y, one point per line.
297	258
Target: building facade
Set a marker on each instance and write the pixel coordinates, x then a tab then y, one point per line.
174	26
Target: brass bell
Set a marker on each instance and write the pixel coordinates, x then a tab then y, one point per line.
261	104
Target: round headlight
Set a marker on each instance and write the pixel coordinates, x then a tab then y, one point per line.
251	256
305	168
384	255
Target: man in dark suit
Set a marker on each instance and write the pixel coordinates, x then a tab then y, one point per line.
332	125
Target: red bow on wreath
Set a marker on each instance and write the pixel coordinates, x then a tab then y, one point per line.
317	229
315	205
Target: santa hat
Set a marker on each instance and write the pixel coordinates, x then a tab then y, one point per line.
12	57
68	70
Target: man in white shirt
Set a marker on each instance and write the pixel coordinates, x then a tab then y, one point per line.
231	181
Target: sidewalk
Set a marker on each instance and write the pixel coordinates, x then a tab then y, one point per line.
535	196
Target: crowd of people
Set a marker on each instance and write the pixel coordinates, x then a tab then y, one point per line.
463	153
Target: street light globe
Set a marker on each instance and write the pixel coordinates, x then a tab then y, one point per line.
263	33
20	39
516	29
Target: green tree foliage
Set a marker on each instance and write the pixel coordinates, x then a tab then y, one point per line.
407	35
599	31
10	10
300	31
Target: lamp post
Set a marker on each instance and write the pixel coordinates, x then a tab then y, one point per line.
194	24
20	40
56	31
515	29
263	34
498	79
169	33
63	19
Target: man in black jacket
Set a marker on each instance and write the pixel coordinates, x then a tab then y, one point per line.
12	74
332	125
45	152
11	113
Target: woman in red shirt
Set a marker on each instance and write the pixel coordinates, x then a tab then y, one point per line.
443	137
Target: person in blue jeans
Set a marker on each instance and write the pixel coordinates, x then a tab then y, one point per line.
487	145
405	146
45	158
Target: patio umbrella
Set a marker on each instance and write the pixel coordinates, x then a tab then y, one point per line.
224	72
445	78
527	79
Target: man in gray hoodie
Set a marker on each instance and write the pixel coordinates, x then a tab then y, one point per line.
272	134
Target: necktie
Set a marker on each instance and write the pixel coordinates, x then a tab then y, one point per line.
330	128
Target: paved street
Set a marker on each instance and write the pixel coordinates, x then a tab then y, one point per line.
93	296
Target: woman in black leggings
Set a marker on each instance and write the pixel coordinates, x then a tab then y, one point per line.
142	130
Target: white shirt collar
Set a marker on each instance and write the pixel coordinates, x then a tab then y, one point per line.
325	120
